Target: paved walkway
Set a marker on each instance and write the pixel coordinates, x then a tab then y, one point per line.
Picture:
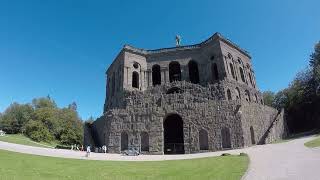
290	160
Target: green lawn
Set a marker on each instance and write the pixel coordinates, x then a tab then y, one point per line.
21	139
26	167
313	143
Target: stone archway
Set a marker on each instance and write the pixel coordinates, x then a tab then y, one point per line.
174	71
225	138
173	134
124	141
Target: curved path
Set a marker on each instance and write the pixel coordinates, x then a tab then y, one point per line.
289	160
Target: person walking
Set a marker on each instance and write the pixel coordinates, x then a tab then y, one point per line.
104	149
88	150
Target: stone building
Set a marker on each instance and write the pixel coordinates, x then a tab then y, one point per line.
184	99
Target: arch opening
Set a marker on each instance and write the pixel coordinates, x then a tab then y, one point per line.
247	96
173	135
144	141
156	75
174	71
226	140
193	72
124	141
242	74
135	79
203	140
238	96
232	71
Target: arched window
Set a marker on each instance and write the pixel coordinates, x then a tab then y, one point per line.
156	75
229	94
256	98
250	78
203	140
135	79
238	96
214	71
124	141
193	72
247	96
144	141
225	137
232	71
241	74
174	71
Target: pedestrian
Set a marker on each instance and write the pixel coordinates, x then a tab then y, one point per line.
104	148
77	147
81	148
71	147
88	151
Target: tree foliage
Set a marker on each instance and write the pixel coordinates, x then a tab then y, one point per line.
268	97
300	100
42	120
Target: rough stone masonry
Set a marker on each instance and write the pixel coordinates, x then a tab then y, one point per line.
184	99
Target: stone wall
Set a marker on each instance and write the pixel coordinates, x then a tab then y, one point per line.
199	107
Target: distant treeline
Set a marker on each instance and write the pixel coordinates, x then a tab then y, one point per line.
301	100
42	120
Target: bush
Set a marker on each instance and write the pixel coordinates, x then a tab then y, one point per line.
36	131
243	154
59	146
225	154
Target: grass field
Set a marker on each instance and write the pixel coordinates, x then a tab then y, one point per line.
313	143
21	139
17	166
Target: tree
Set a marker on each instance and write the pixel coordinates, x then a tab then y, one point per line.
43	102
268	97
73	106
38	132
15	117
315	62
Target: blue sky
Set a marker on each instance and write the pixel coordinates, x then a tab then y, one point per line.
62	48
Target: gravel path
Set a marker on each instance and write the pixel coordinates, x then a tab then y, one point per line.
290	160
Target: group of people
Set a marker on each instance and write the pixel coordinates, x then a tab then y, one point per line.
88	150
76	147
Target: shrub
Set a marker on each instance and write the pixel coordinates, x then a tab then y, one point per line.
59	146
36	131
225	154
243	154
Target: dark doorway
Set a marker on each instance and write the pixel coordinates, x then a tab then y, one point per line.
225	135
144	141
203	140
253	141
214	71
156	75
124	141
193	72
135	80
174	71
173	135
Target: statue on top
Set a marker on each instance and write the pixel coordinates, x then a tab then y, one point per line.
178	40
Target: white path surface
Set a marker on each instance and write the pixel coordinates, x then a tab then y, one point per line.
284	161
